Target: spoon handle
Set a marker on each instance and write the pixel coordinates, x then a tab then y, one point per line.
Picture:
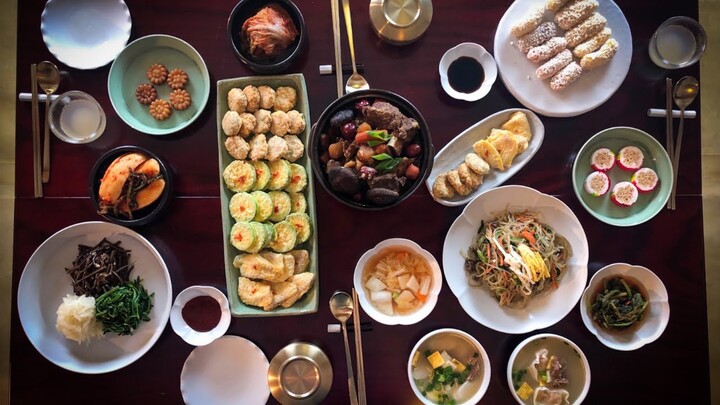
669	141
348	361
676	161
348	28
46	144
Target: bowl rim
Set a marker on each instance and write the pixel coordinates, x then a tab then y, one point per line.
433	295
398	101
180	326
525	342
487	368
482	56
281	65
629	270
80	95
160	205
205	96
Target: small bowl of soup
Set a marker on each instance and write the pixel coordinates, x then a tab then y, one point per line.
200	314
548	368
397	282
625	306
449	366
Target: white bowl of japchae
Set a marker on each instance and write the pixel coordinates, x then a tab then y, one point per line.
516	259
625	306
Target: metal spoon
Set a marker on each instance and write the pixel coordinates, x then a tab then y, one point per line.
355	82
48	78
685	92
341	306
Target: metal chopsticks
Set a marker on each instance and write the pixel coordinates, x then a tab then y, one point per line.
37	180
335	10
669	141
362	398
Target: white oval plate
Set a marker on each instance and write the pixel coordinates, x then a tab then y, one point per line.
44	283
454	153
85	34
432	297
542	311
656	318
231	370
592	89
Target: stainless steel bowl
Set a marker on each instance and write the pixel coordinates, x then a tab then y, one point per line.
300	374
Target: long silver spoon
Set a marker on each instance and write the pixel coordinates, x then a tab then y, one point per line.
48	77
341	306
685	92
355	82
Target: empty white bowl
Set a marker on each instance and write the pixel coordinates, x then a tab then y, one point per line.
398	319
476	52
460	345
190	335
656	316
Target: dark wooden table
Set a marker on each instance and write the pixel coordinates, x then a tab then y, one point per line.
674	369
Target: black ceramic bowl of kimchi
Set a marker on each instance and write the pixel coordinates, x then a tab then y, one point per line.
266	35
138	186
371	149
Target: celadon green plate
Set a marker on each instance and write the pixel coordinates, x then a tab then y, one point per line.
648	204
130	68
309	302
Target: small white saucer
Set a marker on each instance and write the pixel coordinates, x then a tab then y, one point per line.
190	335
476	52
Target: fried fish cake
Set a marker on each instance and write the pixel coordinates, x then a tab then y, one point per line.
453	177
237	100
237	147
468	177
477	164
441	188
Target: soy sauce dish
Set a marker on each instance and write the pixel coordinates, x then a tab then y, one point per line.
371	149
200	314
467	72
130	186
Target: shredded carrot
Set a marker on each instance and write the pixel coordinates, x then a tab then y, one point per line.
529	236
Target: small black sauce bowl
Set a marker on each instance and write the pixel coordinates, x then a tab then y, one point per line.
348	101
144	215
265	65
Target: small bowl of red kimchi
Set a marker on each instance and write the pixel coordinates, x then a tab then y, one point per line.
397	282
266	35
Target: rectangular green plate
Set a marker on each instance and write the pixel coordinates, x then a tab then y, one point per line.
309	303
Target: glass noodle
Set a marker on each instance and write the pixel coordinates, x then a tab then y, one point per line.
516	257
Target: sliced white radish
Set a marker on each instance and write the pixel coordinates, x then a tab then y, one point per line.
403	280
374	284
413	284
420	373
597	183
405	296
645	179
602	159
630	158
386	308
624	194
380	297
464	392
425	285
